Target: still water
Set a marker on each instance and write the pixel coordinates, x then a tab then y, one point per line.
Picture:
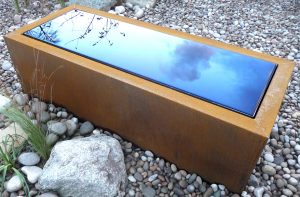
231	80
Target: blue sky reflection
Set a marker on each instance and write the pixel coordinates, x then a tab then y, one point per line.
219	76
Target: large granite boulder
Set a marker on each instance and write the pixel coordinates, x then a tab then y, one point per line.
96	4
142	3
92	166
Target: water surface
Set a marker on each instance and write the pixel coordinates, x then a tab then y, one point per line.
231	80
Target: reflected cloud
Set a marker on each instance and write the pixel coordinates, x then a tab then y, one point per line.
190	59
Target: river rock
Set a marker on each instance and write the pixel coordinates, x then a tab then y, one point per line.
86	128
32	172
95	163
58	128
29	158
14	184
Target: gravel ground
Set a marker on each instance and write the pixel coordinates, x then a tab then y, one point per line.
271	27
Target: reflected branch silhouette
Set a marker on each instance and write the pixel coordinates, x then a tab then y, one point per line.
88	30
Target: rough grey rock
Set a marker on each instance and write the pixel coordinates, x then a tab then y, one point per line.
58	128
32	173
95	163
14	184
29	158
96	4
86	128
142	3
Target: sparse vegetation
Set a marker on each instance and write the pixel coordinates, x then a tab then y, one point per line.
36	136
10	148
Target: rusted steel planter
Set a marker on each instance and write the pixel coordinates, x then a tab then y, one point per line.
221	145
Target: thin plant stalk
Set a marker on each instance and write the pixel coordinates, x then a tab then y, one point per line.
17	5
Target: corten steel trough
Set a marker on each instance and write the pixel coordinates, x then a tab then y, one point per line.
220	142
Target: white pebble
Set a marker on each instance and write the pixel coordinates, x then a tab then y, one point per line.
119	9
14	184
214	187
131	179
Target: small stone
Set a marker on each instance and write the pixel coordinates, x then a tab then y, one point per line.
58	128
287	192
14	184
191	188
129	5
214	187
258	192
131	192
6	65
146	166
177	176
152	177
293	181
37	107
44	116
64	114
149	153
120	9
17	19
139	13
253	181
298	159
269	170
183	184
192	178
278	160
29	158
221	187
57	6
178	191
173	168
148	192
138	176
161	164
32	172
280	183
269	157
51	139
131	179
208	192
71	127
21	99
297	147
86	128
